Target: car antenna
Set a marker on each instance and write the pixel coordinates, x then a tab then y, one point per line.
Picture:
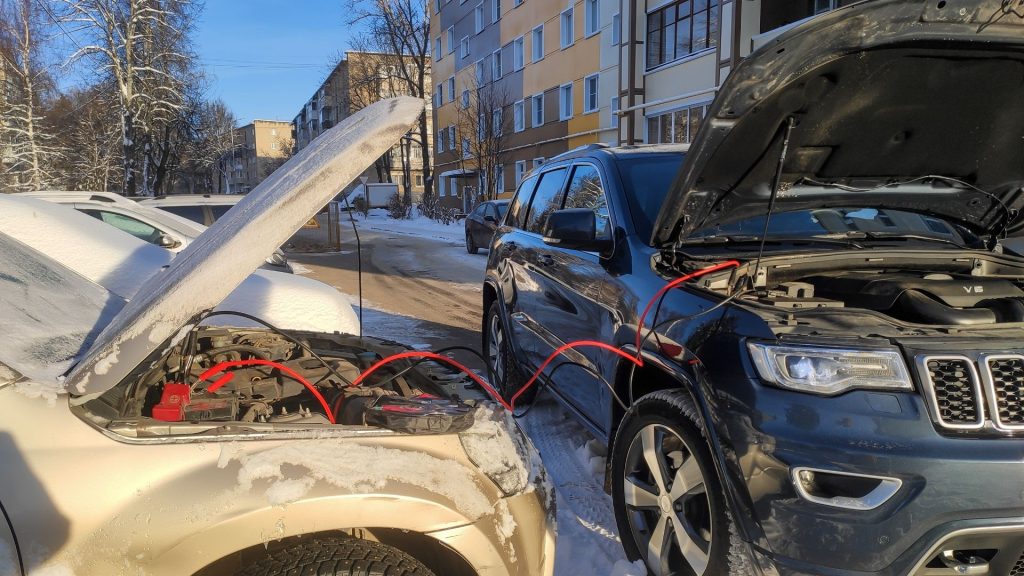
359	263
776	183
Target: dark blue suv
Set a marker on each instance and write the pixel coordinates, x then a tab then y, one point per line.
813	334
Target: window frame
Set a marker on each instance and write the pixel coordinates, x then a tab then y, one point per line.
607	198
617	29
464	47
451	88
562	28
562	114
565	168
712	14
534	109
497	73
595	79
450	34
615	105
495	11
518	116
478	18
537	32
591	15
518	54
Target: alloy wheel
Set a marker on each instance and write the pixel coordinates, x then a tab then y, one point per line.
495	349
667	503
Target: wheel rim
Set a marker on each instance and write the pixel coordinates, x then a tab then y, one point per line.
667	503
495	343
469	242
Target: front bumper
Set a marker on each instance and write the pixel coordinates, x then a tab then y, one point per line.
949	484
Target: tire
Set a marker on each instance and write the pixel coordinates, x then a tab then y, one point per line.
498	350
471	246
664	426
338	556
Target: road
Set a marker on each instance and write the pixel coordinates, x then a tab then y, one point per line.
426	292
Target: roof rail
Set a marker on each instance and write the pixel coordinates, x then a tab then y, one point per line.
583	148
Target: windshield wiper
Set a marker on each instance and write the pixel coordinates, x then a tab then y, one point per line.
734	239
911	236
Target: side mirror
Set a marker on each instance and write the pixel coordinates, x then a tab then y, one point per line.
166	241
575	229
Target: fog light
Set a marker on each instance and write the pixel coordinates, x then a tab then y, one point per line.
844	489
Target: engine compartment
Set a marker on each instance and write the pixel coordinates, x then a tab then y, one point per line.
920	297
257	381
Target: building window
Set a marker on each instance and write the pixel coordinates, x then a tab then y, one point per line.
822	6
451	138
615	112
466	152
437	6
437	48
499	178
680	29
465	98
478	18
440	141
419	180
568	31
439	96
679	126
517	116
592	16
591	102
537	109
273	131
520	171
616	29
565	101
464	47
496	65
451	89
479	72
537	42
518	54
495	10
496	122
451	39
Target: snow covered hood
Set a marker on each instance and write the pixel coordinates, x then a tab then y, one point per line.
882	91
225	254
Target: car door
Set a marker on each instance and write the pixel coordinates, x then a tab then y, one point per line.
535	294
474	221
488	224
577	301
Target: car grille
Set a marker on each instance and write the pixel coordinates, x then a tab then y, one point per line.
1018	568
962	389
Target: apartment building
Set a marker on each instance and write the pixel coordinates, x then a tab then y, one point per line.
358	80
258	149
574	72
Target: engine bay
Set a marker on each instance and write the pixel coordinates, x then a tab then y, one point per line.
263	379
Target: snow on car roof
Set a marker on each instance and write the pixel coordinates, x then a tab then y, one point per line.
49	316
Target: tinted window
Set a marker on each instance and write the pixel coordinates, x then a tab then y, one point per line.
546	199
193	213
521	201
647	178
502	209
135	227
219	211
586	191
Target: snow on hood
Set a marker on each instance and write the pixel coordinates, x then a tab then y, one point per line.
880	92
290	302
203	274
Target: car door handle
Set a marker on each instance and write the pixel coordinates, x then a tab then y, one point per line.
546	260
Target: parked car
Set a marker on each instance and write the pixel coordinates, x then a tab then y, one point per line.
202	209
482	222
838	391
123	455
152	225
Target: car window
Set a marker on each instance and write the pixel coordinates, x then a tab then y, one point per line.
133	226
646	179
517	214
491	211
479	212
586	191
193	213
219	211
546	199
502	209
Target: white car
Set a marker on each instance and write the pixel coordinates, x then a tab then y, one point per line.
153	225
202	209
122	263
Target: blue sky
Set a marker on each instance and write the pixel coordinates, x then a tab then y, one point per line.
266	57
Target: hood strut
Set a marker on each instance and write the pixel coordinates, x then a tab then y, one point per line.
776	182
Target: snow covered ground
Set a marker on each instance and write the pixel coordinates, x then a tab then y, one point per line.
419	225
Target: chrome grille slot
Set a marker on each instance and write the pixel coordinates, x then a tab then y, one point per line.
1018	568
1004	380
954	389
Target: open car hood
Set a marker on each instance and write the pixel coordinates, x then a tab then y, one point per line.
880	92
228	251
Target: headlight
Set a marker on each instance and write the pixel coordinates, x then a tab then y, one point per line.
829	371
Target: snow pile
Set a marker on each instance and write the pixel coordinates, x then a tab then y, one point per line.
492	447
624	568
291	302
592	456
357	468
45	389
419	226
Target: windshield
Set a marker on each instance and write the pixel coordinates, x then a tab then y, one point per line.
646	179
845	222
49	316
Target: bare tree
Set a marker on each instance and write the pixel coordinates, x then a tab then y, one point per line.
30	146
86	121
143	48
207	138
484	126
399	30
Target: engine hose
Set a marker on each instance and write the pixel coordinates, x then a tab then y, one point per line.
216	369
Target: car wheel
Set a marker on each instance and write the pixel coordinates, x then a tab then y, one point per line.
338	556
471	246
507	376
669	504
